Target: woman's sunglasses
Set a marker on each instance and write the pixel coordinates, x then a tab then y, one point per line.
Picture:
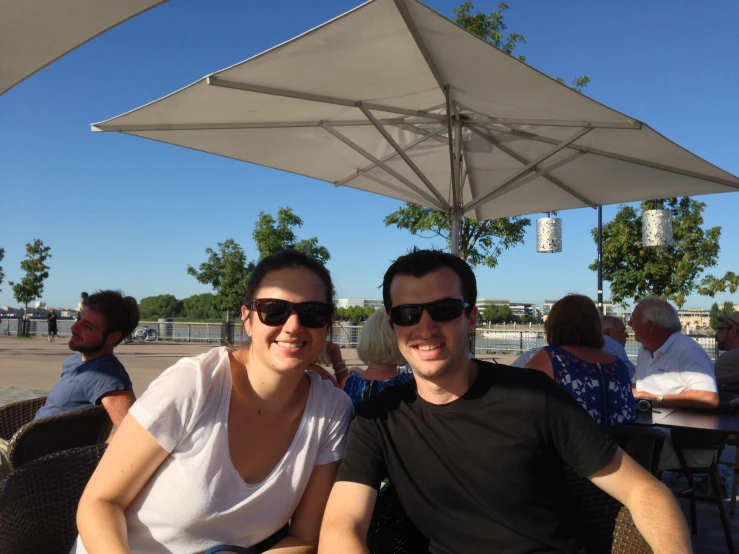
274	312
446	309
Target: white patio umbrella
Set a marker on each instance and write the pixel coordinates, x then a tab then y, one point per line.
395	99
35	33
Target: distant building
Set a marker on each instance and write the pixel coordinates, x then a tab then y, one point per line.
518	309
360	302
608	308
694	318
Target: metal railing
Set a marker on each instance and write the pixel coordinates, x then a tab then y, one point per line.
485	340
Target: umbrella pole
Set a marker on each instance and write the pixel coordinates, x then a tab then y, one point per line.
456	220
600	259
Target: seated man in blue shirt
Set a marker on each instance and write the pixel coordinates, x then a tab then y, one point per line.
93	375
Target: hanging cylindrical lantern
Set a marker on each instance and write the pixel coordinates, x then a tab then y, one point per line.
549	235
656	228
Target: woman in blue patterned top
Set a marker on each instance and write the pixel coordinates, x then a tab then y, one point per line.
599	381
378	348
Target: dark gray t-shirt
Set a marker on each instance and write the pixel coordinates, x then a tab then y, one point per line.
83	384
484	473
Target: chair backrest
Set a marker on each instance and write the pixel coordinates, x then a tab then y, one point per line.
642	443
47	435
390	530
38	502
603	524
16	415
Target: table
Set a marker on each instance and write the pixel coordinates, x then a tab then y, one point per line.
688	419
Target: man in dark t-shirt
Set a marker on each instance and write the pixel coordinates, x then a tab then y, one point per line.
477	451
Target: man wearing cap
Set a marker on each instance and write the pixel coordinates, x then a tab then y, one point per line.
727	364
477	451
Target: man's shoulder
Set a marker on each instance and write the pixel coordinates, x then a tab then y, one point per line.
729	357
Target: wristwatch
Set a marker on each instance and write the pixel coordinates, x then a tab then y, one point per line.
660	399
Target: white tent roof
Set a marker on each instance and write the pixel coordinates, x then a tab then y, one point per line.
362	101
34	33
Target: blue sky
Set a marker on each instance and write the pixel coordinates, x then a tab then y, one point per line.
122	212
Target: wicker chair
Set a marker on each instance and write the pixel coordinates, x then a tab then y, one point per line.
16	415
604	524
38	502
40	437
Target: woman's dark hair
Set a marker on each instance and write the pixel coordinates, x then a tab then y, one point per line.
288	259
420	263
574	321
121	313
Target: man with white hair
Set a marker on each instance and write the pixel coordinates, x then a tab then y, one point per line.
672	370
615	334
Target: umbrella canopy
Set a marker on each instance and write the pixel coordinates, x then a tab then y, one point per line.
395	99
34	33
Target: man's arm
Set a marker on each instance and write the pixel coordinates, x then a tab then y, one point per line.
117	403
698	399
347	518
653	507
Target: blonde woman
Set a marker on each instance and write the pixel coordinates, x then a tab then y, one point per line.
378	348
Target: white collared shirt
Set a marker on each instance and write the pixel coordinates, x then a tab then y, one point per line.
680	364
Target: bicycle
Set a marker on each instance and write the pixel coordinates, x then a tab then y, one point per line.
142	334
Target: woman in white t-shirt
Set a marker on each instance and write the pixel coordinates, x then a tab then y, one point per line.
227	447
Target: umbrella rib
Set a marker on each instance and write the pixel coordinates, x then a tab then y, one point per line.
418	131
416	142
354	146
531	166
628	159
272	91
403	154
251	125
392	187
420	43
512	185
556	182
507	121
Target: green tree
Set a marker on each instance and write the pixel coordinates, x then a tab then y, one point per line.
163	305
497	314
635	271
201	306
227	271
272	236
2	275
31	286
727	308
711	285
713	317
483	242
368	311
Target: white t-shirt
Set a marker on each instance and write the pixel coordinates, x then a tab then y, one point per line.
680	364
196	499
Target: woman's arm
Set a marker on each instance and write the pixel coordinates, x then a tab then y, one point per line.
129	462
541	362
305	524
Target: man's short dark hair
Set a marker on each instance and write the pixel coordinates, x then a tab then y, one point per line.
121	313
420	263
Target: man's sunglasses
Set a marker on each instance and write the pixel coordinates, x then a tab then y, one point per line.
446	309
274	312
